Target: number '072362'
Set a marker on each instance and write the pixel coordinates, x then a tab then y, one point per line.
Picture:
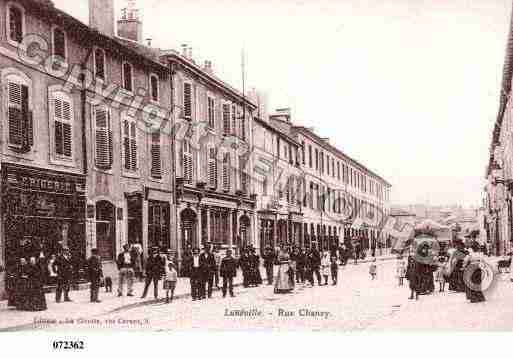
68	345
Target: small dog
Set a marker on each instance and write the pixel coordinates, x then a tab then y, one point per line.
108	285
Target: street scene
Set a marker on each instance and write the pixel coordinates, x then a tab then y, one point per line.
160	174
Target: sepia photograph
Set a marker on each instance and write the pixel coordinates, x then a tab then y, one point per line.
255	165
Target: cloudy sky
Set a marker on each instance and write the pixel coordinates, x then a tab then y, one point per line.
408	87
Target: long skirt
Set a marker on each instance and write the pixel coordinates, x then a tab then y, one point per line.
22	294
37	299
283	283
475	296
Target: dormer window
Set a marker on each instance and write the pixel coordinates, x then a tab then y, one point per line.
99	64
15	23
128	77
59	43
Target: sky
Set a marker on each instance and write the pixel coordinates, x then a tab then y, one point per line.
409	88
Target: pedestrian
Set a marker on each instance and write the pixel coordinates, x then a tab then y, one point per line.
63	266
315	262
95	274
52	275
356	253
186	258
137	253
325	266
283	283
193	268
373	269
269	260
228	271
126	264
245	266
475	267
334	270
171	277
36	300
154	271
440	274
254	267
294	254
401	271
217	258
413	278
20	297
300	266
208	264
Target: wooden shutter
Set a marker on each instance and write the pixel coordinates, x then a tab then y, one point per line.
226	172
187	162
126	144
234	120
187	100
133	146
62	117
212	167
15	114
156	162
226	119
103	138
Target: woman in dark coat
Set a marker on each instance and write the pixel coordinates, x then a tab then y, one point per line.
22	286
456	262
254	267
413	277
36	296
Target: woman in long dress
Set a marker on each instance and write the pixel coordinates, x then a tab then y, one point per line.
473	277
456	269
35	296
21	291
283	280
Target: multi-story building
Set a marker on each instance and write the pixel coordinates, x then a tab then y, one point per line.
277	176
499	172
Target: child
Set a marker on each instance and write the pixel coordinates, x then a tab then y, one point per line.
334	270
170	278
440	274
401	271
325	267
373	269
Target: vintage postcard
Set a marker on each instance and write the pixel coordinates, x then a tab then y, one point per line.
340	166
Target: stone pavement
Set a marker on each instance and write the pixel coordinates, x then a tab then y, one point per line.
11	319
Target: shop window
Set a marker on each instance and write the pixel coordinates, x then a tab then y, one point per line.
105	229
158	224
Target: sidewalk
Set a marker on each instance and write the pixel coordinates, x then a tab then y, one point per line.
81	308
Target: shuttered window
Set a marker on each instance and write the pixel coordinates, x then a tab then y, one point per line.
187	162
226	172
211	112
243	128
156	157
187	100
128	77
226	119
130	145
234	120
21	136
243	175
16	23
62	111
59	43
154	87
212	167
103	137
99	64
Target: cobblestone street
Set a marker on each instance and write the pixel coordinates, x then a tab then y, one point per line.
357	303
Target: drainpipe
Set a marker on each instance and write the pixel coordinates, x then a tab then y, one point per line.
173	156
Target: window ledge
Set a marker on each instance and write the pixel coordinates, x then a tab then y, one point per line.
105	171
63	161
131	174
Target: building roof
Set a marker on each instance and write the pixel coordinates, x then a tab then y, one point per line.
321	142
271	127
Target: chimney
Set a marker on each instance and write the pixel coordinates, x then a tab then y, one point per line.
130	25
184	50
189	54
208	67
101	16
148	42
326	140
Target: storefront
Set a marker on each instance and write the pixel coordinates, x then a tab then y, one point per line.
42	212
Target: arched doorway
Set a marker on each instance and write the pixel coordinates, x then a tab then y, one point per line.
106	230
188	220
245	231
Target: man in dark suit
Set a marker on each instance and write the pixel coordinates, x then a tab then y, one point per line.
193	268
154	271
314	258
95	274
208	265
63	266
126	267
269	260
228	271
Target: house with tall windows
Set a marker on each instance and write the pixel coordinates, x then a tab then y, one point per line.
84	164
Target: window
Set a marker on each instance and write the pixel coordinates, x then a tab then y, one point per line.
226	119
291	156
303	153
310	156
21	132
338	170
234	120
212	167
156	155
264	187
322	162
130	145
316	159
328	165
103	137
59	43
99	64
128	83
226	172
243	174
187	162
15	23
61	108
333	167
154	87
187	100
243	128
211	112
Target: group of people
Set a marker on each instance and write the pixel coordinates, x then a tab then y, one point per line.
462	268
